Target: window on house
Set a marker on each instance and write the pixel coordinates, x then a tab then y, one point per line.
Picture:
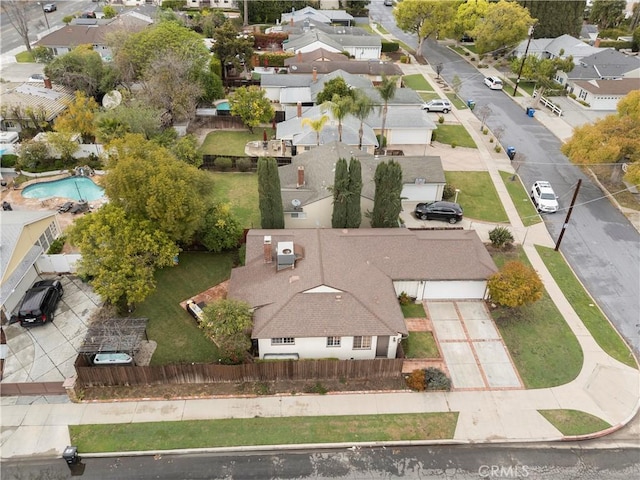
300	215
362	343
9	124
283	341
333	341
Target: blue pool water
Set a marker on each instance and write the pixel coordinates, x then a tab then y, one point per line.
223	106
76	188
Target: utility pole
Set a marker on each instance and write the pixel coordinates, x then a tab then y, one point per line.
524	59
566	220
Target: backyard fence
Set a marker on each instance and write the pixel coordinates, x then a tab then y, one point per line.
93	376
59	263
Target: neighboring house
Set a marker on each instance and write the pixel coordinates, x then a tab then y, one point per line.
604	94
95	33
589	33
360	47
563	46
306	183
324	62
317	17
46	101
333	293
24	236
607	64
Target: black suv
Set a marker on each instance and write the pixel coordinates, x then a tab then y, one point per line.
39	303
448	211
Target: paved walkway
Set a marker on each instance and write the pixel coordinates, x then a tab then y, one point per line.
604	387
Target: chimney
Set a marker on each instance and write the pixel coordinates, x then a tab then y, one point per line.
267	249
315	74
597	42
299	112
299	55
291	21
300	176
47	83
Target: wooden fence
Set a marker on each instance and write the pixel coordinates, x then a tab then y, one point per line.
88	376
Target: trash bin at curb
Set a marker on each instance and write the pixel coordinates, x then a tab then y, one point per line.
530	112
471	104
70	455
511	152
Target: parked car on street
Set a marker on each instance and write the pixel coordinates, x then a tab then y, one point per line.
447	211
543	197
388	3
493	83
437	105
50	7
39	303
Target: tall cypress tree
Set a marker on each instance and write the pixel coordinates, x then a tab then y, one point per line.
379	198
387	203
340	194
556	17
269	195
354	214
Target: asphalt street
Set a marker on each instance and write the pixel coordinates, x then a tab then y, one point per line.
410	462
599	242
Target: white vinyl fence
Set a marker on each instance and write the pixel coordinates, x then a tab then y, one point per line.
60	263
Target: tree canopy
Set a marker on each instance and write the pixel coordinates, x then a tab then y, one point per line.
229	323
269	194
505	23
251	105
18	14
334	89
120	254
340	194
354	209
425	18
220	229
607	13
387	203
515	285
556	17
468	14
131	116
612	139
231	47
542	70
79	117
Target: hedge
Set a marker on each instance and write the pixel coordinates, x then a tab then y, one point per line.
271	59
615	44
390	46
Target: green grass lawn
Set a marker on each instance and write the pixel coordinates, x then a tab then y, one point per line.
176	332
426	96
231	142
262	431
521	200
454	134
574	422
420	345
478	196
543	348
590	314
524	85
417	82
241	191
25	57
413	310
457	101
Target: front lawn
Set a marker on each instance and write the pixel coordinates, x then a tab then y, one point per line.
25	57
417	82
241	191
543	348
457	101
262	431
413	310
420	345
599	327
454	135
231	142
176	332
574	422
478	196
520	197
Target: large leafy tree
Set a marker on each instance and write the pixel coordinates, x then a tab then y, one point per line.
148	182
336	87
468	14
387	203
251	105
229	323
556	17
354	212
340	194
542	70
82	69
220	229
268	11
79	117
231	47
133	116
614	139
361	109
426	18
387	90
269	195
17	12
607	13
515	285
504	25
120	254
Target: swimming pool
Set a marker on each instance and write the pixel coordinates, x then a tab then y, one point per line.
224	105
76	188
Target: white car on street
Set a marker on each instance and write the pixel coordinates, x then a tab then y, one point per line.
543	197
494	83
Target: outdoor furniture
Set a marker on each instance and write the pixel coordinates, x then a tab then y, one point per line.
79	207
65	207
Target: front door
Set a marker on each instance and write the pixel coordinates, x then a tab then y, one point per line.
382	348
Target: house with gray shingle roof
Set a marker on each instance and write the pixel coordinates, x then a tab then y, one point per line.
604	94
359	47
316	17
306	183
332	293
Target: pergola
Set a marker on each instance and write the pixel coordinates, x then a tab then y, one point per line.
122	335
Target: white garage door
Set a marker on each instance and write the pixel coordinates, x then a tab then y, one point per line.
419	193
409	137
454	290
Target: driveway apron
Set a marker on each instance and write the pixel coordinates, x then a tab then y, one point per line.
471	345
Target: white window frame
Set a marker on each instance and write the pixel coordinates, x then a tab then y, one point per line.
283	341
333	342
362	342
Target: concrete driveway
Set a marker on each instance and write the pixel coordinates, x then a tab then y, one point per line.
46	353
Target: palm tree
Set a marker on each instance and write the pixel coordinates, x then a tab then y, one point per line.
316	125
362	108
387	90
340	107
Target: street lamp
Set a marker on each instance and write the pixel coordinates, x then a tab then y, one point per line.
524	58
45	15
455	200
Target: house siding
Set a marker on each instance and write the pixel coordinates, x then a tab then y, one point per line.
316	347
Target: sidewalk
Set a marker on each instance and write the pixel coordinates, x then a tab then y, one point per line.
604	388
